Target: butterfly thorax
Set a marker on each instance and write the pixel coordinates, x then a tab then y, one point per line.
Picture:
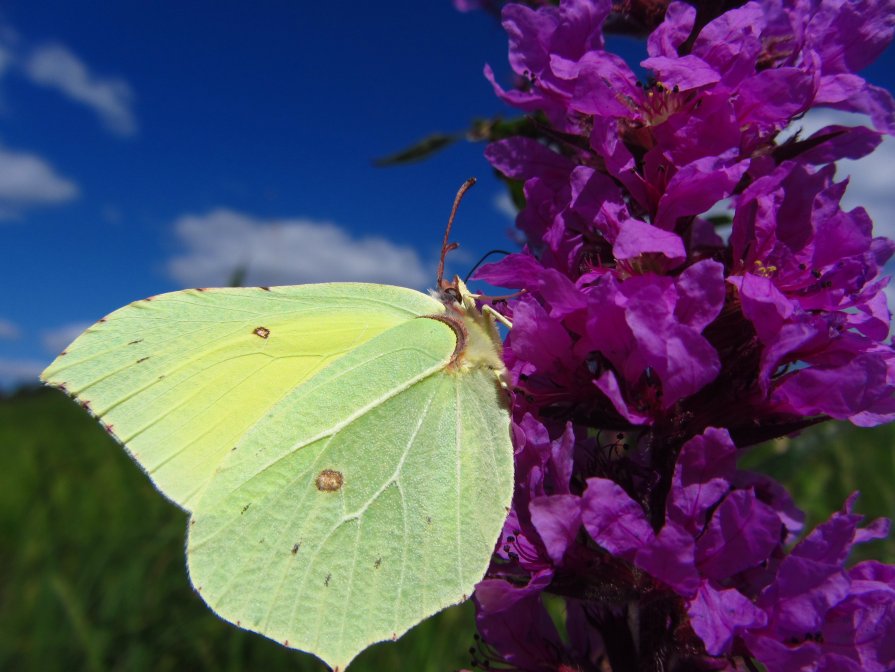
478	341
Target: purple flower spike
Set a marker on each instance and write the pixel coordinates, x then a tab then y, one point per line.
648	350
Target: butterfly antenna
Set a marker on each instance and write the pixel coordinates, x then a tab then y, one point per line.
480	261
445	245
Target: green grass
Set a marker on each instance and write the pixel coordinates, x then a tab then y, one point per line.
825	464
92	572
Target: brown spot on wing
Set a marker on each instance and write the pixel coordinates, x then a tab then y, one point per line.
329	480
263	332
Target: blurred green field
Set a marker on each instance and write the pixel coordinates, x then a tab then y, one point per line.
825	464
92	573
92	569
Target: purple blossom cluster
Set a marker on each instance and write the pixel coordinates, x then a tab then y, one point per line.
648	349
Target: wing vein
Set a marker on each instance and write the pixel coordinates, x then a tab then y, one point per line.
361	412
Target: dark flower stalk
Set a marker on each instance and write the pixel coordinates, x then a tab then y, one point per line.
648	349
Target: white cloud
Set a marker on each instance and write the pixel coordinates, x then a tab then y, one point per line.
15	372
872	182
287	251
57	339
9	331
27	179
55	67
504	205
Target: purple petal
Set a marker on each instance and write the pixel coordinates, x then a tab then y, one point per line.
701	478
852	94
697	187
801	595
849	36
680	356
831	541
539	340
765	306
605	86
731	42
557	518
673	31
875	573
607	383
717	616
639	238
670	559
861	627
845	142
773	97
701	290
742	534
612	519
516	271
709	130
562	294
562	452
684	72
522	158
774	495
515	623
860	385
778	656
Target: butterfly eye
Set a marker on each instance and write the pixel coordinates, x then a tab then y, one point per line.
451	293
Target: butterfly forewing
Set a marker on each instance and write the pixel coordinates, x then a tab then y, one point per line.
180	378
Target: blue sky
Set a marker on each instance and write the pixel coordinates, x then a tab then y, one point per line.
148	146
